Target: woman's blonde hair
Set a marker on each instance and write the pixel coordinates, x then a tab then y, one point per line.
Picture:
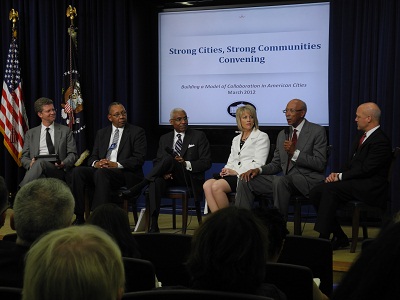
241	110
77	262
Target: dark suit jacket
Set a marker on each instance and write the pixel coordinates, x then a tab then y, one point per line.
311	161
368	168
131	151
12	264
195	149
64	144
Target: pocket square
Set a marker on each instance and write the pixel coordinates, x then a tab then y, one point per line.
191	145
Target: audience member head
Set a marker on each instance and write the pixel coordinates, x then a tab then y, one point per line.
277	230
115	221
249	109
40	206
3	201
77	262
367	116
229	252
374	275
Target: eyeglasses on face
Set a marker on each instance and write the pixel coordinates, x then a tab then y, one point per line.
118	115
292	110
49	111
180	119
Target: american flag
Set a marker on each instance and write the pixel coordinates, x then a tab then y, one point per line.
13	119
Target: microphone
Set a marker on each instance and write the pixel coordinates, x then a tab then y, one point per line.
287	133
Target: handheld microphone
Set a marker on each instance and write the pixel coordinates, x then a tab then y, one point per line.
287	133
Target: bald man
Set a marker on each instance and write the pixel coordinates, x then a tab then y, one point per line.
364	177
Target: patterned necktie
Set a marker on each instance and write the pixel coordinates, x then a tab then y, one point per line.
49	142
362	139
113	144
294	142
178	145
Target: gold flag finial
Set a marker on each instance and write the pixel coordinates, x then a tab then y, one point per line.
71	13
14	18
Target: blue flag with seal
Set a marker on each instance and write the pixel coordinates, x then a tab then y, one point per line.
72	111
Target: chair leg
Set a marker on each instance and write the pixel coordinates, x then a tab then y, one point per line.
87	205
173	213
185	209
365	231
355	228
297	218
198	210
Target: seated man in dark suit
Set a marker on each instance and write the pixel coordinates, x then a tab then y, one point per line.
116	161
3	201
364	177
40	206
300	154
191	157
48	138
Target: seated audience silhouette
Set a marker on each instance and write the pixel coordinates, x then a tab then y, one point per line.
229	253
374	275
78	262
3	201
40	206
114	220
277	231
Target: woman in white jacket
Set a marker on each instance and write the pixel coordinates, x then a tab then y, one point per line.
249	150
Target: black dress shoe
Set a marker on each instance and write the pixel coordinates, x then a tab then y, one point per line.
154	229
128	194
341	242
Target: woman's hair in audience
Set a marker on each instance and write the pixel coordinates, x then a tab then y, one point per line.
229	252
241	110
77	262
115	221
376	272
40	206
277	230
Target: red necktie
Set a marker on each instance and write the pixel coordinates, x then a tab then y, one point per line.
362	139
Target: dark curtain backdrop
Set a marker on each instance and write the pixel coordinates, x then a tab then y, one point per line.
117	48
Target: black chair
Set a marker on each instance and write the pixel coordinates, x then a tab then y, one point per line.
314	253
10	293
359	207
139	274
11	237
168	252
184	194
180	294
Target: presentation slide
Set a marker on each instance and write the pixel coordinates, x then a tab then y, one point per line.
213	61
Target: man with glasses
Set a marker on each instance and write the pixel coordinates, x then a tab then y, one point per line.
49	149
181	152
116	160
297	166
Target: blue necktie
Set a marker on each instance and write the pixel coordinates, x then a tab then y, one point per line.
113	144
178	145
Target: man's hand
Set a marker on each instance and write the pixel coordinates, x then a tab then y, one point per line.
332	177
32	162
59	165
249	174
180	159
105	163
289	147
168	176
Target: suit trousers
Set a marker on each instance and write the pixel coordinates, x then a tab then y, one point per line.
280	187
326	198
42	168
158	185
102	180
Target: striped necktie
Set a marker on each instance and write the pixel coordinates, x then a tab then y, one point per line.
113	144
178	145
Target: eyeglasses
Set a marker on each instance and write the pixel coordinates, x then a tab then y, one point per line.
49	111
180	119
292	110
118	115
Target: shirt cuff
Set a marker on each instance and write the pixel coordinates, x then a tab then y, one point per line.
188	165
93	164
295	155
